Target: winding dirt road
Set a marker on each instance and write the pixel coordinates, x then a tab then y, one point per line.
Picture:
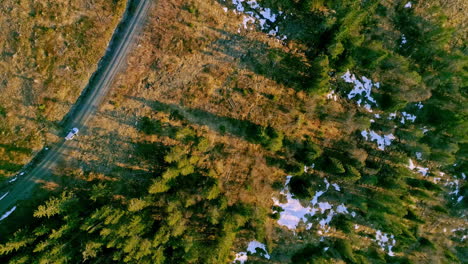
87	104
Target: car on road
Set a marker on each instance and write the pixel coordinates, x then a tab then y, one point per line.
73	132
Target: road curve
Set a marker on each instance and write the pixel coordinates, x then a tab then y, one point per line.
87	104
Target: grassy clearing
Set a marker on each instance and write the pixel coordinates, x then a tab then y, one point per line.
48	51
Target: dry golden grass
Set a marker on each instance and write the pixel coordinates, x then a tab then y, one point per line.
48	51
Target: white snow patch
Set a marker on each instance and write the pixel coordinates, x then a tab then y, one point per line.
3	196
353	214
21	174
307	168
458	200
5	215
294	212
382	141
246	20
316	196
336	186
403	39
258	14
14	179
419	105
332	95
362	90
385	241
252	248
324	206
392	116
463	175
408	5
421	170
327	184
341	209
241	257
419	155
407	116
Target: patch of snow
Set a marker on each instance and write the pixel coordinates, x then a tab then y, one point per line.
14	179
326	221
385	241
327	184
382	141
403	39
407	116
325	249
362	90
307	168
332	95
421	170
21	174
241	257
392	116
336	186
419	155
225	9
294	212
458	200
265	17
3	196
463	175
324	206
246	20
316	196
356	226
341	209
252	248
419	105
353	214
377	116
408	5
5	215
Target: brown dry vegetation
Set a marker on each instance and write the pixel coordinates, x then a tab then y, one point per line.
48	51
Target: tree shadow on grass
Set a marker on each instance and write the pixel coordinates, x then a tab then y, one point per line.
282	67
239	128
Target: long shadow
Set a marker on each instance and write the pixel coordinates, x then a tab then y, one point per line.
10	147
240	128
282	67
285	158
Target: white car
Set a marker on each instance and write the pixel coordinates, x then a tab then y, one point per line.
73	132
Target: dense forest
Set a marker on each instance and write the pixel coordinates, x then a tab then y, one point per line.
360	149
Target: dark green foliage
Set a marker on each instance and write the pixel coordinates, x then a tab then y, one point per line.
307	152
299	186
351	175
149	126
334	165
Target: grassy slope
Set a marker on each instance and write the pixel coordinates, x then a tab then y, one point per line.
48	51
